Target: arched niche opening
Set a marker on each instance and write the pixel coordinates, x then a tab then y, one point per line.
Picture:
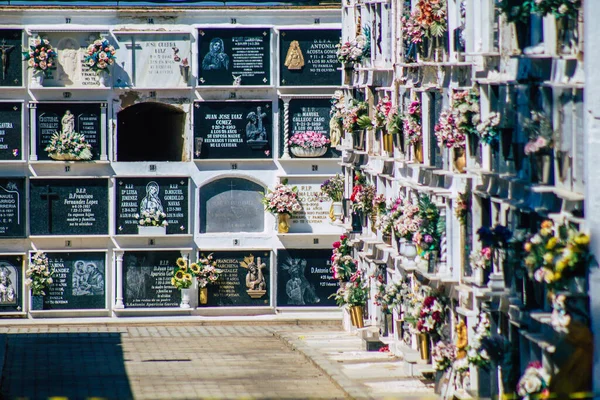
231	205
150	132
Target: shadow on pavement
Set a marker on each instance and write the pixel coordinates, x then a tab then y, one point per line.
67	365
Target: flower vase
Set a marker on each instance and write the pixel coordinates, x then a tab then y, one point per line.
336	211
387	239
308	153
185	298
37	302
283	222
203	296
424	346
356	222
543	168
348	73
104	79
388	143
356	316
37	79
152	230
459	160
409	250
418	151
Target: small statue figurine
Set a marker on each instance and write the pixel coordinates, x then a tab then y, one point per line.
294	60
461	340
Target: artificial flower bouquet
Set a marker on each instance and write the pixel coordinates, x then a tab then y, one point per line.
431	316
534	382
477	355
283	199
481	259
353	113
488	130
362	195
428	19
443	356
182	275
206	270
408	220
431	227
412	122
352	51
333	189
540	132
354	292
100	55
459	120
40	56
39	274
390	296
309	140
383	108
69	146
152	218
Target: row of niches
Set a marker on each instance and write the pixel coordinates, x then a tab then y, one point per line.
247	279
151	207
154	131
225	57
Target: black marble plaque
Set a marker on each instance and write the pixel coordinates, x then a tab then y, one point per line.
233	129
307	115
234	56
85	118
244	281
231	205
304	278
11	286
308	57
11	133
11	64
169	195
148	279
68	206
12	207
79	281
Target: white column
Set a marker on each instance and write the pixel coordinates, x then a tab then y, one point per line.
103	131
118	256
286	128
32	131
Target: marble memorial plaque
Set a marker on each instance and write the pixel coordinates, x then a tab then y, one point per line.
167	195
79	281
68	206
233	129
237	56
11	284
12	207
147	276
83	118
231	205
11	65
244	281
304	278
11	131
308	57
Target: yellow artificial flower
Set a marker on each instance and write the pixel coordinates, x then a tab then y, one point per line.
548	276
173	281
561	265
179	275
582	239
195	268
557	276
182	263
548	258
188	277
547	224
551	243
527	247
545	232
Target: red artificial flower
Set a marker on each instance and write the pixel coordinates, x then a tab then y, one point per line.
336	245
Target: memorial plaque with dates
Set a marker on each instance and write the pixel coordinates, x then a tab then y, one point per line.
83	118
236	57
244	281
79	281
11	285
165	195
309	57
68	206
304	278
11	65
11	131
147	279
233	130
12	207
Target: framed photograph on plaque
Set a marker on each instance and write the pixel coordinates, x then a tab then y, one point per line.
233	130
11	283
234	57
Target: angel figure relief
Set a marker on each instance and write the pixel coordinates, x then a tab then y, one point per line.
255	280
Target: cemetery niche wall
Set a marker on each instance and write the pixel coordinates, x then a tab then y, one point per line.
308	57
139	200
68	206
12	208
244	281
11	65
11	130
233	130
231	205
234	57
147	277
11	284
79	281
304	278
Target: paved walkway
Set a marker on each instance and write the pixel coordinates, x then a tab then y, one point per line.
187	361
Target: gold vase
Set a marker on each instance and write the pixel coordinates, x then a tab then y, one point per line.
424	345
459	160
283	223
388	142
418	148
203	295
356	316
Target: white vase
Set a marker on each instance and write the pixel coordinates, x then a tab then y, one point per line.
104	79
311	153
152	230
185	298
37	79
338	210
409	251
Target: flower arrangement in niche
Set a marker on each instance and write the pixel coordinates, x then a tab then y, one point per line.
534	381
407	223
152	218
431	316
462	207
477	355
342	263
100	55
488	130
206	270
412	122
309	140
443	356
431	227
69	146
481	259
515	12
353	51
379	204
362	198
558	8
283	199
332	189
356	111
390	296
39	274
182	275
540	132
355	292
382	112
428	19
459	120
40	56
496	237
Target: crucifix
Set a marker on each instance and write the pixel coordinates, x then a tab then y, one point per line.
5	48
49	196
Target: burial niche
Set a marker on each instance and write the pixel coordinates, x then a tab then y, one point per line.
150	132
231	205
